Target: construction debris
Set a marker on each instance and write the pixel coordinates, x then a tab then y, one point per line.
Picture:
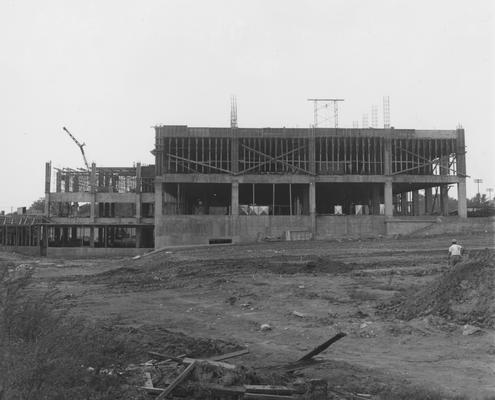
317	350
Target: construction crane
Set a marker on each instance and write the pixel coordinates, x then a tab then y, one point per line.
81	147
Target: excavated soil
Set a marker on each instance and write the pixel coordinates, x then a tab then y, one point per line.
464	294
400	304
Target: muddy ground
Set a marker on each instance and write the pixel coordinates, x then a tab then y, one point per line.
210	300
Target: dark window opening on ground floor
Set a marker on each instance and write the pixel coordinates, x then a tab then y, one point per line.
273	199
196	199
349	198
101	236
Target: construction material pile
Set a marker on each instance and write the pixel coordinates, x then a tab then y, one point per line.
465	294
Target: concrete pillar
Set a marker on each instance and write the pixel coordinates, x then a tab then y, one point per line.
428	201
461	173
234	204
415	203
387	195
93	187
404	203
234	150
461	198
92	236
234	212
312	151
158	202
138	194
444	200
44	241
48	177
387	156
138	236
460	154
312	207
375	200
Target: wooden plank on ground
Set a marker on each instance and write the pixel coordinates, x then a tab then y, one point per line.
214	363
261	396
225	390
152	390
317	350
229	355
164	356
269	389
176	381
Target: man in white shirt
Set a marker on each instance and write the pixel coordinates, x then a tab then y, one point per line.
455	253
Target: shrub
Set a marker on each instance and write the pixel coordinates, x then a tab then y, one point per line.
46	354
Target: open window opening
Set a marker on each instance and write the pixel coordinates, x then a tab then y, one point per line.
273	199
349	199
196	199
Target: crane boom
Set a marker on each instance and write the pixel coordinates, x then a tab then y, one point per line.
81	146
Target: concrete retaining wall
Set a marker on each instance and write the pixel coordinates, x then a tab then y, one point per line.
252	228
438	225
199	229
173	230
331	227
408	225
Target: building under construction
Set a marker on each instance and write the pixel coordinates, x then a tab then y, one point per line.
223	185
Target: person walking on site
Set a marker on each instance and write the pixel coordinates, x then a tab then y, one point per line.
455	253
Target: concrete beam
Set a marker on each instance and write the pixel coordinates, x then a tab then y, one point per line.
185	131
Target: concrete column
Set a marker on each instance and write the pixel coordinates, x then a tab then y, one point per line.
138	194
92	184
234	212
461	173
48	177
375	200
387	156
444	200
92	236
158	202
234	204
44	241
461	154
387	195
312	151
234	150
461	198
415	203
428	200
138	236
404	203
312	207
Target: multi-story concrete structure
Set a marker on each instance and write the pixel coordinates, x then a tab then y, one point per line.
218	185
232	184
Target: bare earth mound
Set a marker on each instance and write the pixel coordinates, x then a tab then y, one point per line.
465	294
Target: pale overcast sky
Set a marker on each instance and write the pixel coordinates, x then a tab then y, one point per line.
110	70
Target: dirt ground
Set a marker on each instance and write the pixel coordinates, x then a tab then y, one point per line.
306	291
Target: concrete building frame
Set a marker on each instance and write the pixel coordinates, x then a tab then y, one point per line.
384	168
